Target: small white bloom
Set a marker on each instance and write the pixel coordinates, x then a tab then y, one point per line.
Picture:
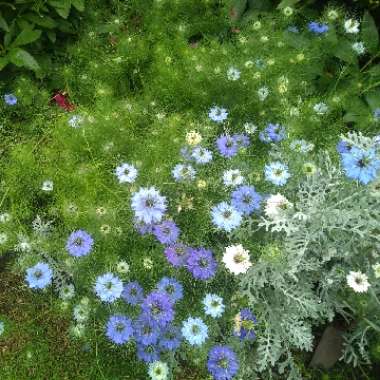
248	64
288	11
126	173
376	269
147	263
67	292
213	305
264	39
250	128
257	25
320	108
193	138
236	259
358	47
276	206
3	238
75	121
233	177
47	185
233	74
122	267
358	281
351	26
5	217
263	93
158	370
332	14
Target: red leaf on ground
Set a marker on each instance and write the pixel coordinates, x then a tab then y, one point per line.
62	101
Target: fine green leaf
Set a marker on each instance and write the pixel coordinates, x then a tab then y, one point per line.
3	23
22	58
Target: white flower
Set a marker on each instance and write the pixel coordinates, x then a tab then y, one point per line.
147	263
126	173
276	206
233	74
376	269
288	11
5	217
332	14
158	370
320	108
122	267
193	138
75	121
213	305
250	128
47	185
248	64
256	25
236	259
67	292
233	177
351	26
358	281
358	47
263	93
23	244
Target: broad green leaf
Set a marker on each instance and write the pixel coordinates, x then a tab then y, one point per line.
3	23
44	21
26	36
3	62
22	58
78	4
62	7
370	33
52	36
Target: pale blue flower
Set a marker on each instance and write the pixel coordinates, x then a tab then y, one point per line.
108	287
277	173
213	305
195	331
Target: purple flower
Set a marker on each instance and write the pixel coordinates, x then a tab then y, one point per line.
148	354
343	146
143	228
201	263
246	200
159	306
10	99
246	324
146	330
119	329
273	133
171	287
222	363
133	293
167	232
227	146
79	243
177	254
170	338
318	28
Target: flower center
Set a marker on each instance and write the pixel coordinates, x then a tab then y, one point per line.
119	327
238	258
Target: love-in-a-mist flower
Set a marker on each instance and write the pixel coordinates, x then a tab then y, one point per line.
351	26
277	173
226	217
119	329
126	173
39	276
276	206
171	287
213	305
222	363
166	232
236	259
148	205
159	307
10	99
108	287
183	172
195	331
233	74
218	114
246	200
79	243
133	293
244	324
158	370
232	177
201	155
318	28
358	281
201	263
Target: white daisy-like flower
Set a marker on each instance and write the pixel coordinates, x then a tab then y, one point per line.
376	270
351	26
263	93
233	74
232	177
320	108
250	128
358	47
122	267
236	259
126	173
276	205
47	185
358	281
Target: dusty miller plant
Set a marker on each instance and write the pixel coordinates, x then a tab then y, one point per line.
299	282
